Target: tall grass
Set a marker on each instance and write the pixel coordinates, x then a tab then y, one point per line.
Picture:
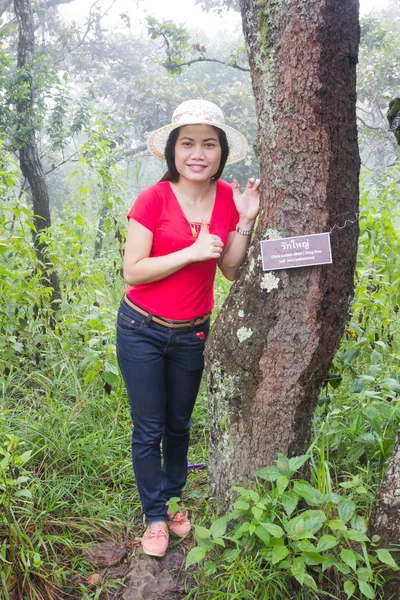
65	467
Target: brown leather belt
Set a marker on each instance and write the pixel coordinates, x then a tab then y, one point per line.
167	322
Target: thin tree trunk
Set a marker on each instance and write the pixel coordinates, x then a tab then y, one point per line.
277	333
98	243
30	162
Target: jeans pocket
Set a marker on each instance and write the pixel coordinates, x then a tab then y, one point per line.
202	331
197	338
126	324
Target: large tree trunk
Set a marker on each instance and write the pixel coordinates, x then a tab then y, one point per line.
385	518
277	333
30	162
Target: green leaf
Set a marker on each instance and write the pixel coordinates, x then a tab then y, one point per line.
218	528
349	588
299	569
257	512
25	456
346	484
309	582
357	536
349	558
23	494
194	556
346	509
37	561
386	558
305	546
283	464
351	355
362	574
231	554
255	496
342	568
306	491
289	502
297	462
202	532
270	473
298	526
278	554
334	380
336	524
110	378
326	542
111	367
274	530
359	523
306	524
390	384
366	589
262	534
205	544
240	505
210	568
220	541
281	483
242	530
314	558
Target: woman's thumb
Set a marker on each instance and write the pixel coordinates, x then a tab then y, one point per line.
204	225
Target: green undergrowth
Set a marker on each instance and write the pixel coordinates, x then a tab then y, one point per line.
305	542
290	538
65	467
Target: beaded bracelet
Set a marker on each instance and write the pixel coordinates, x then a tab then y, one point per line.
242	231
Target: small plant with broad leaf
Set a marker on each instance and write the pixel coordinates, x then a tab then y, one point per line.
313	540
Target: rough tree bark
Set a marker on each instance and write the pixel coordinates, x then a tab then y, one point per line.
277	332
29	157
385	518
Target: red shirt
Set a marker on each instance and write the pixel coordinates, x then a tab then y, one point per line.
187	293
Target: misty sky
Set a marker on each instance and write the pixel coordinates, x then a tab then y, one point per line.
180	11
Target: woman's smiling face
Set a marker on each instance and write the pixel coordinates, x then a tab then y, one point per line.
197	152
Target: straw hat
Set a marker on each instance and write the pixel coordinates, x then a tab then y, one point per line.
198	112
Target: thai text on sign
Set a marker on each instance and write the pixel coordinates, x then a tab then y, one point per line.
298	251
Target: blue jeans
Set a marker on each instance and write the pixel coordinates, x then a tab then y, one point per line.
162	369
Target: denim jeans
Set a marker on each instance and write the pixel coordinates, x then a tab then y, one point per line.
162	369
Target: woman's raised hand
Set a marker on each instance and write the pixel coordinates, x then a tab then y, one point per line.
206	245
248	203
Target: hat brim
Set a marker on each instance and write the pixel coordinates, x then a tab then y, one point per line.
237	143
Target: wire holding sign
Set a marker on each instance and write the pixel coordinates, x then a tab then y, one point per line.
297	251
346	223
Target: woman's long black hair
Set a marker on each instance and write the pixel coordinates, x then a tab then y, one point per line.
172	174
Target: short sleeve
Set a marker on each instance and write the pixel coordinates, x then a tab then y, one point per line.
145	209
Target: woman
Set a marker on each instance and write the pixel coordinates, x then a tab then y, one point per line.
179	231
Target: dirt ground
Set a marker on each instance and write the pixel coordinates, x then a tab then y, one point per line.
136	576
